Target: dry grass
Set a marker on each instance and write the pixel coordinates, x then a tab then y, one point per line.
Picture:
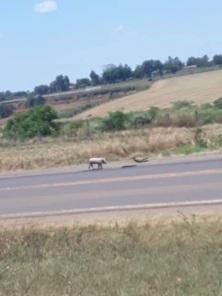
114	146
60	152
174	258
200	88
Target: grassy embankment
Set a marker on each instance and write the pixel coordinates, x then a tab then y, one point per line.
173	258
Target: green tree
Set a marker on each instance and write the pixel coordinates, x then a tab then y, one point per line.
138	72
150	66
83	82
38	121
60	84
173	65
217	59
199	61
95	78
117	73
41	90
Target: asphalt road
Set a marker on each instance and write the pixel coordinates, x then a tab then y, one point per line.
119	187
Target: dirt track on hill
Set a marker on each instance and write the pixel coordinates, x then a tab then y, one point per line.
200	88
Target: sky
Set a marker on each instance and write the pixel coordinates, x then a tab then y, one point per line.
40	39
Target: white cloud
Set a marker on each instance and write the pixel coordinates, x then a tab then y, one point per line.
46	6
120	29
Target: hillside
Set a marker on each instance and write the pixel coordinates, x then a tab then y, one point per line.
200	88
72	102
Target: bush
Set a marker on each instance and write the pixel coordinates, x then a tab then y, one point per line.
182	104
200	138
38	121
206	106
207	116
218	116
141	121
164	120
153	113
218	103
185	119
72	128
115	121
6	110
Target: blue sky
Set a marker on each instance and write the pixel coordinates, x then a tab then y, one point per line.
41	39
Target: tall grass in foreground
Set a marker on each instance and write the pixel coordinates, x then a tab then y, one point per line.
177	258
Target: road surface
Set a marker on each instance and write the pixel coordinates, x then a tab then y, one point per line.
116	188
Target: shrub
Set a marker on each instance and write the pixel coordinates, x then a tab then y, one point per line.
199	138
115	121
153	113
164	119
218	116
6	110
38	121
185	119
72	128
206	106
218	103
182	104
207	116
141	121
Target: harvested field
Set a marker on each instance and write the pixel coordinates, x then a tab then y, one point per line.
199	88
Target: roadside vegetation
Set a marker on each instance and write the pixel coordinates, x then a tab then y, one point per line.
66	150
180	114
36	122
38	139
182	257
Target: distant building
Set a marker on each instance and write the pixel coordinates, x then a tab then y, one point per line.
189	69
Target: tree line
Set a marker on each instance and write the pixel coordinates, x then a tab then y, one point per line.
113	74
120	73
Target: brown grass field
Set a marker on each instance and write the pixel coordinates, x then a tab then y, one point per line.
199	88
49	153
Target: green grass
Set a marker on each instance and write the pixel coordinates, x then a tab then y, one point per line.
74	111
177	258
190	149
